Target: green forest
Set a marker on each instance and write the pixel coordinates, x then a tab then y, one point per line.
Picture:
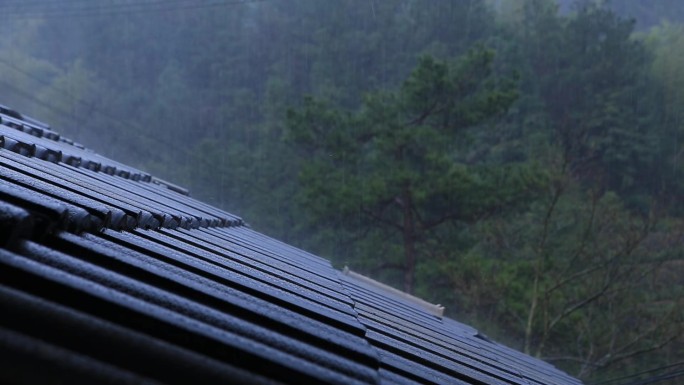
520	162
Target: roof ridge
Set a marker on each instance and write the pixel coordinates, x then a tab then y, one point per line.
434	309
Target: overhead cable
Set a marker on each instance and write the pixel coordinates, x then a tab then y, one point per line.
618	380
52	10
129	127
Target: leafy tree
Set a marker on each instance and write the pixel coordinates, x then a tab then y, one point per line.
400	166
649	14
587	88
577	269
667	43
582	279
595	99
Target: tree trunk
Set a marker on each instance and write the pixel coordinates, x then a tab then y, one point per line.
409	235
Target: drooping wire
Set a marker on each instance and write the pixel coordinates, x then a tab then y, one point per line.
633	375
119	9
52	108
656	379
40	3
129	127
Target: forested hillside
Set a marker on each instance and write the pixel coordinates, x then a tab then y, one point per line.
518	164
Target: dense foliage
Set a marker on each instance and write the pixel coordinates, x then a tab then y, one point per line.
513	160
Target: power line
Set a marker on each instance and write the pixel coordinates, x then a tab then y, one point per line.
32	98
86	4
659	378
128	126
30	3
132	128
633	375
122	9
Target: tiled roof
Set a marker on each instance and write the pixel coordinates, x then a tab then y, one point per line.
110	275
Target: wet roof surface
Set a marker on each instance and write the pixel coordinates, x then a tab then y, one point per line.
110	275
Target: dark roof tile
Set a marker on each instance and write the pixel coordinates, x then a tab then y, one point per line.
111	275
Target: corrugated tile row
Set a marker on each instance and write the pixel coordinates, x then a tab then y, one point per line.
113	200
109	275
417	346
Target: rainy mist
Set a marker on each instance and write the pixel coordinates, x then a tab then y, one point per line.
519	161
